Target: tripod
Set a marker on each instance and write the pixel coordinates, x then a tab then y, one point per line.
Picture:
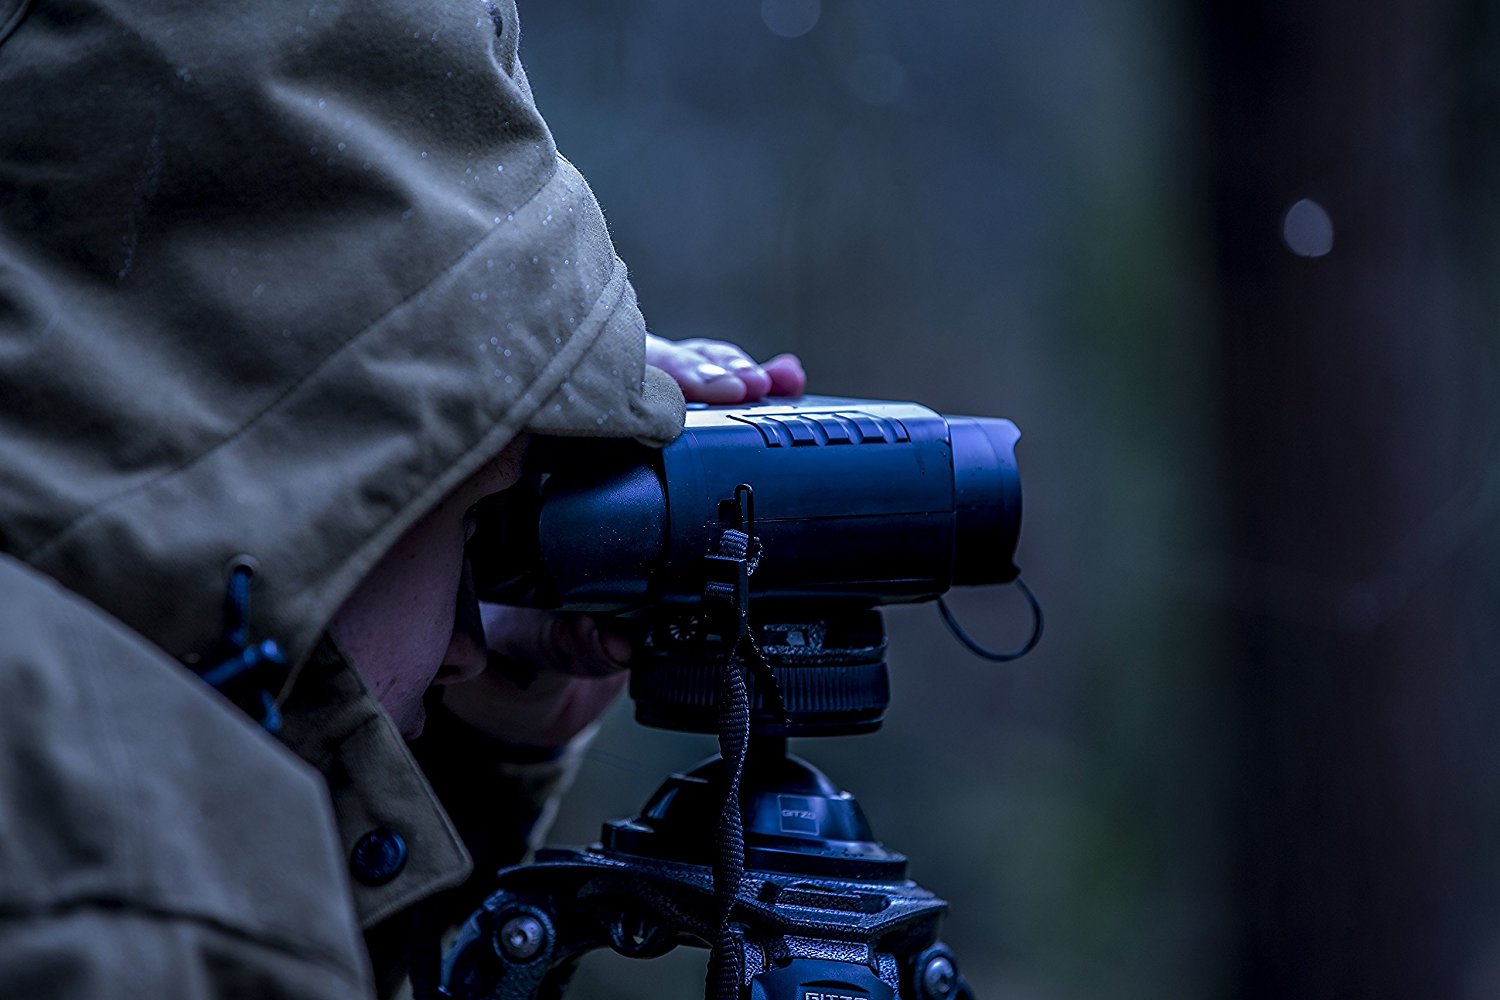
821	911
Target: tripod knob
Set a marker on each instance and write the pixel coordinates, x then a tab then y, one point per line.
521	937
936	976
939	978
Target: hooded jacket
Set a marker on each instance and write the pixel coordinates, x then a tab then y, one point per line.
274	278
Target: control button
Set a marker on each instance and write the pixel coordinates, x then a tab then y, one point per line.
378	856
834	429
799	428
869	427
765	425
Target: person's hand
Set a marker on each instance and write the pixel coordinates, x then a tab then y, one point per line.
580	670
711	371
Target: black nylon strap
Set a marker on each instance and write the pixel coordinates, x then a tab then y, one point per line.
727	587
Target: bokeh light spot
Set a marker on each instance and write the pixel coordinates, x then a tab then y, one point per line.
791	18
1307	229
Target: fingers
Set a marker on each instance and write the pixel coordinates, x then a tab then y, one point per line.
582	701
563	643
580	670
711	371
546	713
787	377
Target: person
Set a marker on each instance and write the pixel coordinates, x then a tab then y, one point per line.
284	289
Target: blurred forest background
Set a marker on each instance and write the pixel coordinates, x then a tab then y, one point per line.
1234	269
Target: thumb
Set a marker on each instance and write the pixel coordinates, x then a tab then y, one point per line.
557	641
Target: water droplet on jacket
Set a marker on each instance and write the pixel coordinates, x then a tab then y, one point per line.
322	103
506	352
259	290
489	265
496	340
499	168
509	378
343	146
497	373
424	154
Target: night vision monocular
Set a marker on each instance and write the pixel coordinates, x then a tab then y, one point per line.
855	504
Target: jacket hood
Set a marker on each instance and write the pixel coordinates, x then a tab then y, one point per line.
272	281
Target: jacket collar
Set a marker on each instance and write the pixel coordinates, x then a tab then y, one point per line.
381	799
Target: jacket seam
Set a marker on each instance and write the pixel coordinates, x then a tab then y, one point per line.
39	553
61	909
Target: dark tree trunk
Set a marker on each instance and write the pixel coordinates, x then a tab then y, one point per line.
1357	393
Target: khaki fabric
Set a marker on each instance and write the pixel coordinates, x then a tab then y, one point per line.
153	841
274	278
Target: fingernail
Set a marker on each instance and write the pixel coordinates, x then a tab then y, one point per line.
740	364
708	372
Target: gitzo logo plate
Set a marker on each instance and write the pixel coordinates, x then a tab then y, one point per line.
799	815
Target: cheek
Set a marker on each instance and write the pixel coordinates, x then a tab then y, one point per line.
398	624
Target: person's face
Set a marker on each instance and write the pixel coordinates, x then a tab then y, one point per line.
400	625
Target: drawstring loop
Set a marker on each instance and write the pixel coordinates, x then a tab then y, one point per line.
251	670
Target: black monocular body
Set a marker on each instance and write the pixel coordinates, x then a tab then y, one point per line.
856	502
